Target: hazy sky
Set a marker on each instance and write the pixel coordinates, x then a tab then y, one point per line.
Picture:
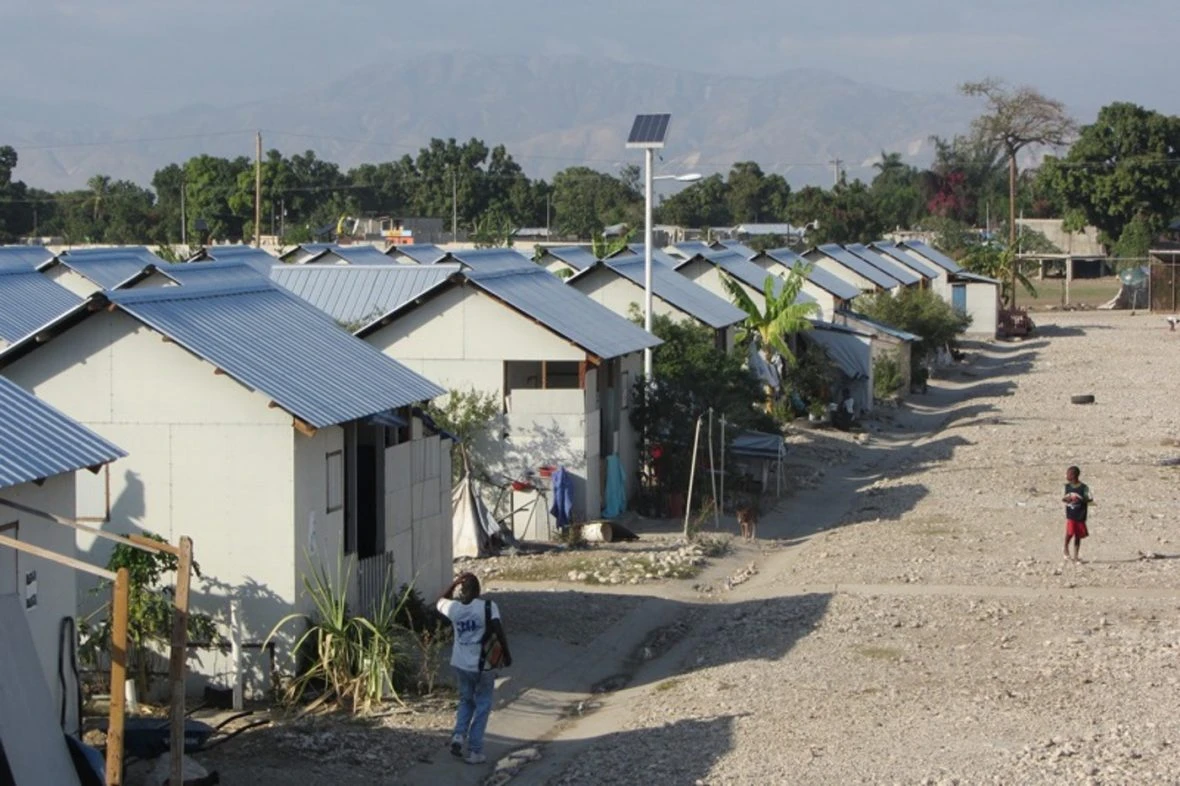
144	56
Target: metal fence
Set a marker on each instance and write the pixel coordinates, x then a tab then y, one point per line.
372	584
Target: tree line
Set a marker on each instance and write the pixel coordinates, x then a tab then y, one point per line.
1120	174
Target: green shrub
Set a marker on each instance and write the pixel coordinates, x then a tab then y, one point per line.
918	311
886	376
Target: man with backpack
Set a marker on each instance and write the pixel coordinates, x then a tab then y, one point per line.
480	649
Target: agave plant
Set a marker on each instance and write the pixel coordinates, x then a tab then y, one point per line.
352	658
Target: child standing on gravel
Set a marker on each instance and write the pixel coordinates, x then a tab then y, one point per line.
1077	501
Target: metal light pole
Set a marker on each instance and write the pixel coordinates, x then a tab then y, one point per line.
647	178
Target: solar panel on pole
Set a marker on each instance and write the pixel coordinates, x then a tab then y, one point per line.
648	131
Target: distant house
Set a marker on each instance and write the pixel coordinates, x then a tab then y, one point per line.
561	365
359	254
657	255
708	270
356	296
231	271
736	246
619	285
788	232
488	260
903	273
84	271
831	292
851	268
968	293
572	259
886	342
28	299
690	248
34	257
261	261
258	427
418	253
41	450
934	275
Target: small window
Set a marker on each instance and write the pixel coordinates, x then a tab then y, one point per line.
94	494
335	490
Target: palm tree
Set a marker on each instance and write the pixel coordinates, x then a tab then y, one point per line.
770	328
890	162
99	186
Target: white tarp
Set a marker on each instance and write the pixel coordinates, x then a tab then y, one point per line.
472	527
33	741
849	352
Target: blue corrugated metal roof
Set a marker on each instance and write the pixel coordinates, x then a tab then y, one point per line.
904	335
690	247
491	259
577	257
110	268
29	299
422	253
826	281
967	276
739	247
360	254
675	289
933	254
742	269
539	294
37	441
657	255
270	340
352	295
29	256
858	265
890	250
228	271
254	257
883	263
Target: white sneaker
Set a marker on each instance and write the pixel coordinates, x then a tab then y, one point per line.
475	758
457	745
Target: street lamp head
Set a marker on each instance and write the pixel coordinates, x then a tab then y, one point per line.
691	177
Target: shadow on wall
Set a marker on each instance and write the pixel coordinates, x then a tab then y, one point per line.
126	517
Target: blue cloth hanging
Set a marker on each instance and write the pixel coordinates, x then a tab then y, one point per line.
615	502
563	497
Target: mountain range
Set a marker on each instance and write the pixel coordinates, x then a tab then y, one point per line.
551	112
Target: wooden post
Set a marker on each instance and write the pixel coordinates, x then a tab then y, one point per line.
176	661
1068	277
118	679
691	474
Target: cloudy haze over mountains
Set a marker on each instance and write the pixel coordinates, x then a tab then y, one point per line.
125	86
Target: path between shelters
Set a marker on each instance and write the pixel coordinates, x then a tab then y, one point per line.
557	699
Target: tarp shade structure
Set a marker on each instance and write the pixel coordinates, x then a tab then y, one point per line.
472	526
759	444
32	740
848	351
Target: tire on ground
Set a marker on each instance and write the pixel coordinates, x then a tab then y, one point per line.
1085	399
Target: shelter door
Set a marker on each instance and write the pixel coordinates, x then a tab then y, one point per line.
959	298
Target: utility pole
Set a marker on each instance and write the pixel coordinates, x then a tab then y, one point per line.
454	206
183	217
546	216
258	192
836	162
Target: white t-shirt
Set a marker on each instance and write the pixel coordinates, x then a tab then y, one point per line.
468	621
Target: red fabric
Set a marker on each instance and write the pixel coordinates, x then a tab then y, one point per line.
1076	529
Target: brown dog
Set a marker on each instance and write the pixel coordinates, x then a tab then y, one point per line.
747	516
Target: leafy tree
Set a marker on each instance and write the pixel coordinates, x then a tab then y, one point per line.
746	192
469	415
1121	169
846	214
896	192
1014	120
586	200
965	177
12	194
703	204
994	260
918	311
210	182
1135	241
694	375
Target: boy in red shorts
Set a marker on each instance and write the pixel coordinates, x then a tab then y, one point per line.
1077	501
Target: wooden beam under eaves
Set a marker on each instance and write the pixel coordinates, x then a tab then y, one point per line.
303	427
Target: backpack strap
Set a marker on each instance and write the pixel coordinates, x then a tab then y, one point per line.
487	631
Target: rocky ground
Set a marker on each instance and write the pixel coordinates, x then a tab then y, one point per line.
906	617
